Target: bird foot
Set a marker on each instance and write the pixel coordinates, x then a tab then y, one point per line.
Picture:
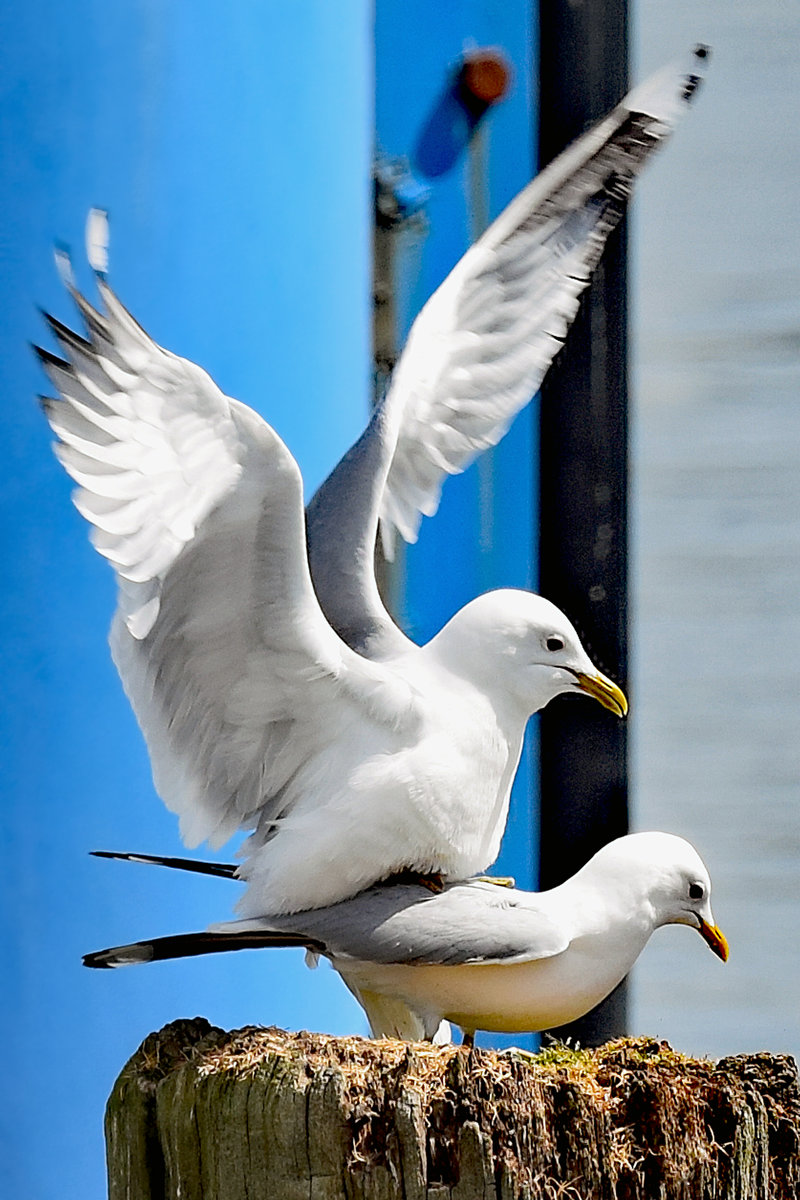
519	1055
434	882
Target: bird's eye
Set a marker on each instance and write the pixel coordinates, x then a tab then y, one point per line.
696	891
554	644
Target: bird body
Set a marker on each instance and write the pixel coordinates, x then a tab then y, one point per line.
413	774
257	714
563	950
480	955
274	690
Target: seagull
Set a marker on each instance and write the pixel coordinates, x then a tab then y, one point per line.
479	955
275	692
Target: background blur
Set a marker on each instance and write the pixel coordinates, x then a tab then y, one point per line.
234	157
715	320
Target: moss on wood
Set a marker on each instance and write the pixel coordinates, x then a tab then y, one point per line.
200	1114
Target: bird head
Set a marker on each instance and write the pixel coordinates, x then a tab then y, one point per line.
518	643
669	875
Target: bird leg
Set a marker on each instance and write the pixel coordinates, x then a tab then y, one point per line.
434	881
519	1055
468	1039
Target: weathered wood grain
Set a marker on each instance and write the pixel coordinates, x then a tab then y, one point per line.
257	1114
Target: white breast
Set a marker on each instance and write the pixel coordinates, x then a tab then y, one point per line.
519	997
435	802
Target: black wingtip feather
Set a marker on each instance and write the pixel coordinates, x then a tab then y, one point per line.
48	359
191	945
95	322
104	960
67	337
222	870
692	83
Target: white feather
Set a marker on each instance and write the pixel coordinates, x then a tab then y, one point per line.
482	344
97	239
256	715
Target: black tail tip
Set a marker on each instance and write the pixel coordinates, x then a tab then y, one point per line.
99	960
692	82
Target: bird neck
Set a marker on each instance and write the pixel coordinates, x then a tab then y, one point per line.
470	669
611	909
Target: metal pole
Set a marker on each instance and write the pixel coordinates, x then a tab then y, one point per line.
583	482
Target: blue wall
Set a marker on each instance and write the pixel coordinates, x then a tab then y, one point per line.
232	146
483	535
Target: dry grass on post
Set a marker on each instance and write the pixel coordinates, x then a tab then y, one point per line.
200	1113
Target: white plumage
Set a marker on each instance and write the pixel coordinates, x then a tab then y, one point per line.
300	711
482	344
479	955
256	714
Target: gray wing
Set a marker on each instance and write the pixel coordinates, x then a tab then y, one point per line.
341	531
467	923
478	351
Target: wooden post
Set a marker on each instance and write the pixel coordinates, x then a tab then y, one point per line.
259	1114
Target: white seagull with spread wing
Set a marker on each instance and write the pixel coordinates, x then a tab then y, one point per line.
274	690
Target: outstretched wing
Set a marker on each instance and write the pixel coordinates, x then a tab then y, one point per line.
235	676
482	344
477	352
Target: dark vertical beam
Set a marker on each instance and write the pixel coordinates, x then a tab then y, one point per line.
583	481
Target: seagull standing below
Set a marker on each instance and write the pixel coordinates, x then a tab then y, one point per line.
274	690
479	955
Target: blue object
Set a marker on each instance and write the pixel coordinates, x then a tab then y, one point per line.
232	148
233	151
445	135
455	116
483	535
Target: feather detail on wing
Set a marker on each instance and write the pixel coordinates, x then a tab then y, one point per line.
482	344
149	439
468	923
235	676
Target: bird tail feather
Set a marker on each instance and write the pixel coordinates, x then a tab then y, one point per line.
188	945
223	870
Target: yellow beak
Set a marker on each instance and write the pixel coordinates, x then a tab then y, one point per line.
602	689
715	938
